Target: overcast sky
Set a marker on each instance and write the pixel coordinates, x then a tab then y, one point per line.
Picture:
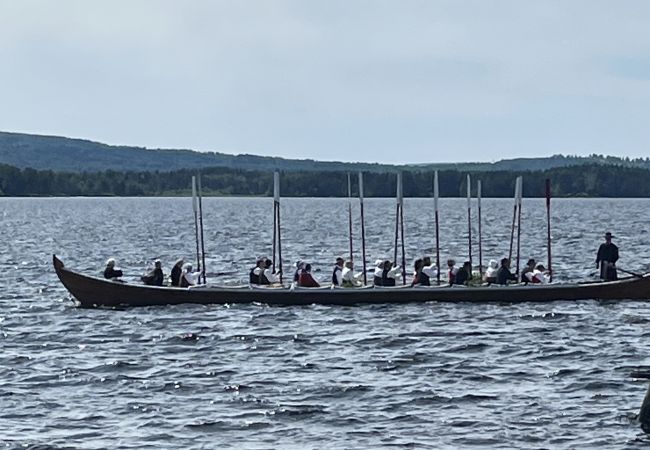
379	81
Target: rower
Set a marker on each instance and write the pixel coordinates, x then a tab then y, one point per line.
176	273
389	274
527	271
464	274
429	270
451	271
379	269
299	266
256	275
349	279
111	272
538	275
269	275
491	272
156	276
189	278
337	273
503	274
306	280
606	259
417	271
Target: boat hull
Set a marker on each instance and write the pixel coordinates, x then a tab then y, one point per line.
94	292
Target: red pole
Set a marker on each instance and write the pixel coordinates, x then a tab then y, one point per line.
548	227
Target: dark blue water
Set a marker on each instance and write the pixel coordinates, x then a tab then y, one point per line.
421	375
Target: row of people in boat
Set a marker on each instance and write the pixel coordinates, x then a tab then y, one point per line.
181	275
386	273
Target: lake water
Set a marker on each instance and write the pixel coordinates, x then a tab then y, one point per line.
431	375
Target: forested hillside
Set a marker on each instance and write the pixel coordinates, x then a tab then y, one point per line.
591	180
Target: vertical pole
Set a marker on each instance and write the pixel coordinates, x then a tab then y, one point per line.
480	234
201	227
196	223
399	224
436	194
363	229
469	220
514	219
350	216
548	227
277	238
397	205
521	192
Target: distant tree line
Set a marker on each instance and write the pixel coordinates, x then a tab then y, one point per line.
594	180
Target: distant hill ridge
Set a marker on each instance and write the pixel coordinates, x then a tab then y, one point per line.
78	155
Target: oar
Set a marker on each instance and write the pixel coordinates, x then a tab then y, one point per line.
634	274
514	219
480	235
521	193
201	227
436	194
196	223
469	218
276	222
350	216
363	228
548	228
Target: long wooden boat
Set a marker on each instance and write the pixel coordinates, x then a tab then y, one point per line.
92	292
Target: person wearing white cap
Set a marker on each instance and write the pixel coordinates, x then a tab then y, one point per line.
490	275
111	272
349	279
189	278
155	277
379	268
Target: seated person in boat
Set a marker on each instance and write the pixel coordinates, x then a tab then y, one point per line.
389	273
379	269
451	271
337	272
271	276
504	276
349	279
538	275
176	273
111	272
528	269
256	275
417	272
189	278
490	275
305	279
429	270
464	274
299	265
155	277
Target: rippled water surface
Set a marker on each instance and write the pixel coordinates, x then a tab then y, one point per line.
431	375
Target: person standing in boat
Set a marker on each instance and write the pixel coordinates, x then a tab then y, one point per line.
189	278
176	273
156	276
111	272
504	276
348	276
305	279
606	259
337	273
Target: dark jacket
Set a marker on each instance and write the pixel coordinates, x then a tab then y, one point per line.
176	276
504	275
154	278
461	276
110	272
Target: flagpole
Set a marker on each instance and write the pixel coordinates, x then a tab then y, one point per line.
363	228
436	194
